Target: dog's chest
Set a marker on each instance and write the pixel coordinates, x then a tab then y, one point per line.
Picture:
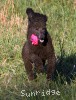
41	52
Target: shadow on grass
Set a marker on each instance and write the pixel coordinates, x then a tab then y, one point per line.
66	67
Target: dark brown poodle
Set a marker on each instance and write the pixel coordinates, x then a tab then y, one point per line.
38	48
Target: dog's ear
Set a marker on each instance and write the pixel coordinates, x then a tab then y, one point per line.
29	12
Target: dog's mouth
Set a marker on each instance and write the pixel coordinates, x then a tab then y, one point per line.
41	41
34	39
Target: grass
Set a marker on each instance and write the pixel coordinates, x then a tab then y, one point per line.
13	29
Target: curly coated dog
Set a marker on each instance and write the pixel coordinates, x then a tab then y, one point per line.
38	48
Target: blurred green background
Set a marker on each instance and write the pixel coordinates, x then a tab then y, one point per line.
61	25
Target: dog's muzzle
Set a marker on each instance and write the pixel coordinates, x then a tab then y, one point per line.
41	41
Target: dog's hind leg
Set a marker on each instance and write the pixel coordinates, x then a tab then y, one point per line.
51	67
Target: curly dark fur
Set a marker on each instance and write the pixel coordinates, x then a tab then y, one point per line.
38	54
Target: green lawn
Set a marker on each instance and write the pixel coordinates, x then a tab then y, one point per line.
61	24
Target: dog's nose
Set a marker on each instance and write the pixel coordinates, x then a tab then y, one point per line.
42	38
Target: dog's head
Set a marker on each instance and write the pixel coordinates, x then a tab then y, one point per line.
37	25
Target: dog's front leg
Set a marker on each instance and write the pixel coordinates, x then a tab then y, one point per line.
37	62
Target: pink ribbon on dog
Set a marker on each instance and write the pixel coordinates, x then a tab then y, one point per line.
34	39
